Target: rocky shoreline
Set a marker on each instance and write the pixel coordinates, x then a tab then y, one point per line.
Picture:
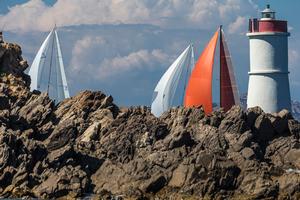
88	145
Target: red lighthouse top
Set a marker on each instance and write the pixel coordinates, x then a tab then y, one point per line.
267	23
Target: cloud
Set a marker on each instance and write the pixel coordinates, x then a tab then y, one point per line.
89	59
142	59
36	15
294	56
84	49
238	26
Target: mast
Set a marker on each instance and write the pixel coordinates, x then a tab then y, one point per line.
220	75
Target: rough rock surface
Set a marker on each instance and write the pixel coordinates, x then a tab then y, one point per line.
87	145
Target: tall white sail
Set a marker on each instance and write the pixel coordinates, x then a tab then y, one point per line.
170	89
47	70
64	85
38	63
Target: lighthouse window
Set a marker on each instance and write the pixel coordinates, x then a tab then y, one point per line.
269	15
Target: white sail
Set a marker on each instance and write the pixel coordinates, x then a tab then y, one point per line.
192	60
47	71
64	85
170	88
39	60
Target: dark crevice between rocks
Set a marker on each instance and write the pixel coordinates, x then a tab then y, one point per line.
156	185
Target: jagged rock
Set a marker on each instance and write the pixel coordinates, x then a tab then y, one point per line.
294	128
234	122
179	176
68	181
293	158
87	145
179	138
248	153
258	187
90	133
64	133
290	184
37	110
155	184
278	149
252	114
263	127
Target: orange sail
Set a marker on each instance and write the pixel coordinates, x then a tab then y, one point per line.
199	88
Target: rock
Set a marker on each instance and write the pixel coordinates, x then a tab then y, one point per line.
280	124
290	183
258	187
179	176
88	145
67	181
293	157
279	148
252	114
248	153
263	127
294	128
155	184
234	122
179	139
90	133
210	138
240	142
37	110
285	114
64	133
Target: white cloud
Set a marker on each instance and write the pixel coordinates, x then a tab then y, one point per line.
35	15
82	48
89	59
142	59
294	57
238	26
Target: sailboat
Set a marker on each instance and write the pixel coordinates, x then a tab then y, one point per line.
196	89
47	71
199	88
170	89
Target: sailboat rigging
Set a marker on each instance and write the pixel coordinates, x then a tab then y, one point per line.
56	85
199	91
197	84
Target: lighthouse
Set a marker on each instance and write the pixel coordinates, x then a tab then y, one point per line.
268	77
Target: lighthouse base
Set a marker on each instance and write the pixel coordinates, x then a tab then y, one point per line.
270	91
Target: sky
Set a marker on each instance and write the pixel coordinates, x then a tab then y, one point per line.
123	47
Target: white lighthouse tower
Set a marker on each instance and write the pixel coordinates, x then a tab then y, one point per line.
268	77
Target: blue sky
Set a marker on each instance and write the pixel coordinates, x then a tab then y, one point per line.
123	47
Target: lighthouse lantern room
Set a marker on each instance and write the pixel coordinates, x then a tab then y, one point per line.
268	77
